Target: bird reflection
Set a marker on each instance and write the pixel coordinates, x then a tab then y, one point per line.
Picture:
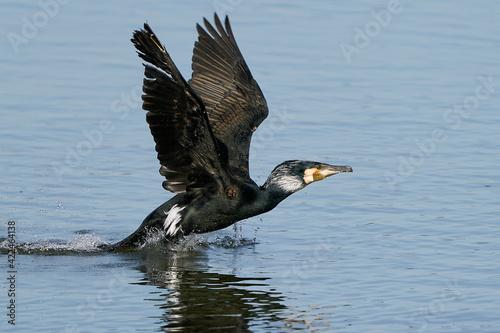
197	300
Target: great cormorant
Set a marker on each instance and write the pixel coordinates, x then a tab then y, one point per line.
202	129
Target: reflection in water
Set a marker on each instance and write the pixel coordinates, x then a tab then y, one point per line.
196	300
192	295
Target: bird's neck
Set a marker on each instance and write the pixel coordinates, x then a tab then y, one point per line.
273	195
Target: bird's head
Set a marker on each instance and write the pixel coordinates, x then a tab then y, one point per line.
292	176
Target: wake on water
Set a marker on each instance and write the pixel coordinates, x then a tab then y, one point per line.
80	243
85	242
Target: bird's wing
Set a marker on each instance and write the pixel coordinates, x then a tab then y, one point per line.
187	149
234	101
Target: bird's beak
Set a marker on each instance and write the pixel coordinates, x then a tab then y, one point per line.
321	171
329	170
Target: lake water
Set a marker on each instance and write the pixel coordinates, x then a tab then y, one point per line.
407	93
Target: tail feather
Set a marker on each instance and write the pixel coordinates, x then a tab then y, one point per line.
164	223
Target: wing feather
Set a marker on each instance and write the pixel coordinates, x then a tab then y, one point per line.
187	149
233	99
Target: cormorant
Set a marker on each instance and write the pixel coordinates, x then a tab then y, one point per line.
202	129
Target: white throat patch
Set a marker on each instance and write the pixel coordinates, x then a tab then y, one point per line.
289	184
309	175
172	221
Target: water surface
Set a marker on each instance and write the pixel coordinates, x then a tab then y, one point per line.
406	243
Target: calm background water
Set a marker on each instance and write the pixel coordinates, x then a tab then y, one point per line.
409	98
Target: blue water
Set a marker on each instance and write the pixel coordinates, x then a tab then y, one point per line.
407	95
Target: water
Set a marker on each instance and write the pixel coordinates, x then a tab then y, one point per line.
406	243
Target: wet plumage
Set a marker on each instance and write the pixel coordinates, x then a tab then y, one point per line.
202	130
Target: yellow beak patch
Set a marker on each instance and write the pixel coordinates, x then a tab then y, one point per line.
321	171
314	174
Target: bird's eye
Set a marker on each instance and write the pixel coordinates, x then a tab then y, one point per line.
318	167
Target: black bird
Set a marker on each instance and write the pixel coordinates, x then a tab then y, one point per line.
202	129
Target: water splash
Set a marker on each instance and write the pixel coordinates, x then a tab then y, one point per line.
194	242
81	243
85	241
218	239
232	243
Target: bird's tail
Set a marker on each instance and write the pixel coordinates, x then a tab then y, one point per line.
162	225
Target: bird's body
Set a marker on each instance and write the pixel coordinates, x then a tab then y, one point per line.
202	129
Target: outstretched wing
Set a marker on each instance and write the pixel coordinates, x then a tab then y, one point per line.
234	101
187	149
